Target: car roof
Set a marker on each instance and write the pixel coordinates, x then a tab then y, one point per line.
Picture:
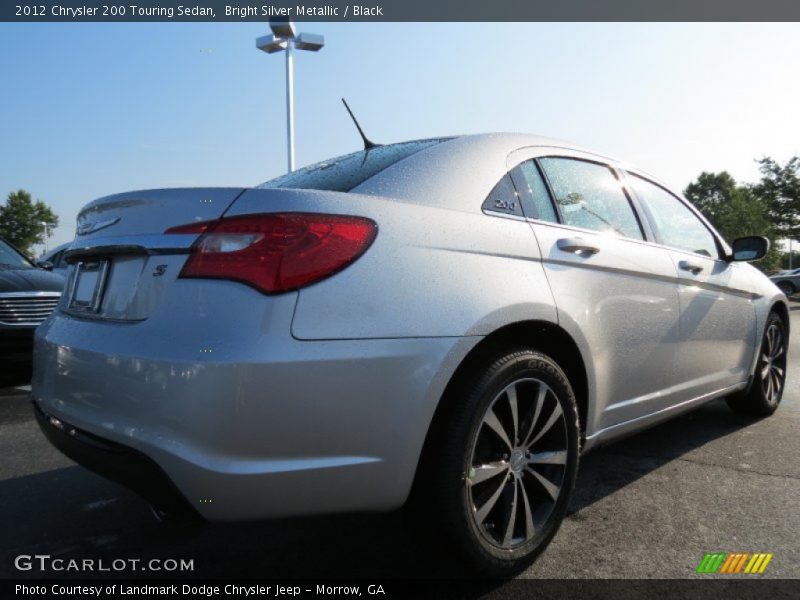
461	171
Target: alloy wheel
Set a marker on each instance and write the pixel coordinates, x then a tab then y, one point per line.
518	463
773	363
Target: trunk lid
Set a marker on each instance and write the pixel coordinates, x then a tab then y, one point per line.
151	212
122	262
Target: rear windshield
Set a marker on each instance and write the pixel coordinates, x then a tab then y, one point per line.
344	173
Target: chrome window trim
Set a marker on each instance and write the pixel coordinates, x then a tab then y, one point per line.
494	213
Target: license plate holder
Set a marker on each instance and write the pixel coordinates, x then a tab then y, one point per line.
88	285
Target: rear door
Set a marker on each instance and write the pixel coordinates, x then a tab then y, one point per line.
614	292
718	316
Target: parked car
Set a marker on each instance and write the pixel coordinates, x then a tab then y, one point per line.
28	294
460	317
787	281
55	258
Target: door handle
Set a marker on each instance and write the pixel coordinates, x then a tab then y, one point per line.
576	246
693	268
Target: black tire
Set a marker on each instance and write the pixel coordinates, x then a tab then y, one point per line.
786	287
769	379
460	483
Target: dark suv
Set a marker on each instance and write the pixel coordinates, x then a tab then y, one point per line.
28	294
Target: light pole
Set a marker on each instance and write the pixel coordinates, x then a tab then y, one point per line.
285	37
46	234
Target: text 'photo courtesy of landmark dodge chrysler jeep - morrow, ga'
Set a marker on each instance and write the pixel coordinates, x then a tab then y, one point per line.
452	320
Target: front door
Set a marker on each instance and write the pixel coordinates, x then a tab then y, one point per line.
718	317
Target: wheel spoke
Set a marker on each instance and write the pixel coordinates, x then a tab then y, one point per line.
512	516
557	412
551	488
765	371
539	402
494	424
511	392
776	383
557	457
768	391
484	510
529	528
483	472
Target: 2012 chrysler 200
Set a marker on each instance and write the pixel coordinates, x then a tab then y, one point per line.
460	316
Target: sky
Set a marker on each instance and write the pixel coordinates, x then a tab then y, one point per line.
90	109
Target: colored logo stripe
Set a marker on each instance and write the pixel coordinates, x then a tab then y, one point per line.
721	562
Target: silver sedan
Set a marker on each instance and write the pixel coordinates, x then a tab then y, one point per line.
448	320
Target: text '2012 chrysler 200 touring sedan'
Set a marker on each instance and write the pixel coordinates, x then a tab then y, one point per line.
456	316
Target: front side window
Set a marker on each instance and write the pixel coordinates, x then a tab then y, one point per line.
590	196
676	225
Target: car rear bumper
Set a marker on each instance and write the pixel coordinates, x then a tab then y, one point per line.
113	461
299	428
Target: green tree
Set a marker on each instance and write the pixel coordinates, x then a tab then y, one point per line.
711	194
21	221
734	210
780	189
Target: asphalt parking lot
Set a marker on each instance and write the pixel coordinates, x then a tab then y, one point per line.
648	506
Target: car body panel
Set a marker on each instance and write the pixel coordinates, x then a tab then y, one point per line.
261	426
717	323
419	260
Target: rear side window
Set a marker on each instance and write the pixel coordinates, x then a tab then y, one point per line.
675	224
344	173
590	196
533	192
503	198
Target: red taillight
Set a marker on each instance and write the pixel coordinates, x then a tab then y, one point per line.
277	252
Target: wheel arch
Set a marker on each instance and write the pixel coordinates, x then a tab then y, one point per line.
782	311
543	336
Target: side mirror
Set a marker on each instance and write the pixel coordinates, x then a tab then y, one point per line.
45	264
750	248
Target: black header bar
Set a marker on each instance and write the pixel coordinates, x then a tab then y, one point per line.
400	10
